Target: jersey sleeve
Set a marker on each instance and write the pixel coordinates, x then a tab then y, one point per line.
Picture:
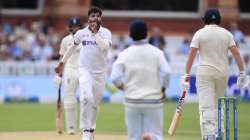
231	40
108	37
117	73
195	41
77	38
164	70
63	47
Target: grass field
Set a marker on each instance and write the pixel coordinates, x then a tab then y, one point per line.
36	118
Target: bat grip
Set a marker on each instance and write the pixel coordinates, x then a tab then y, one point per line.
187	78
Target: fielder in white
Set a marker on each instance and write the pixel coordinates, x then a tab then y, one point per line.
94	40
213	43
142	72
70	75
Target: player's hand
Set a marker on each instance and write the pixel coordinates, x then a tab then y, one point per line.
184	82
243	80
163	89
59	68
94	25
57	80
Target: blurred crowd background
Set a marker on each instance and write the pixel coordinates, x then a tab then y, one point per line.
31	32
38	42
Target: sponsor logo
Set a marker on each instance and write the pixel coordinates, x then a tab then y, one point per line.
89	43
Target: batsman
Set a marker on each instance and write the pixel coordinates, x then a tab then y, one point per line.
213	43
70	74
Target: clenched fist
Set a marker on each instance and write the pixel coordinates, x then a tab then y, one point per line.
94	26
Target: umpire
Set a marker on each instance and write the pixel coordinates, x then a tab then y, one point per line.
143	97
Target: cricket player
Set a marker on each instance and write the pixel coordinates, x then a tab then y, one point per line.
70	74
142	72
213	43
94	40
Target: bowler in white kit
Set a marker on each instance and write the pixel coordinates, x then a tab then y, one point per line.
94	40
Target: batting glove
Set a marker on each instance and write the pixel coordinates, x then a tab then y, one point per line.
184	82
243	80
57	80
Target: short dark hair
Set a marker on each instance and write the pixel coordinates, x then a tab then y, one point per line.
212	15
94	9
138	30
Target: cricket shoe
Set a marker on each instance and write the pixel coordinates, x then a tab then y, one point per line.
71	131
88	136
209	137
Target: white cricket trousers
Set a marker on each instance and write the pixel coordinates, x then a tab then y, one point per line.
209	88
140	120
91	90
71	83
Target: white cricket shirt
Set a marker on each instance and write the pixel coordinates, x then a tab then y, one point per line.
92	56
142	66
213	43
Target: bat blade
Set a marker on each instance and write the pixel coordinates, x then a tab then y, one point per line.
59	123
177	115
174	124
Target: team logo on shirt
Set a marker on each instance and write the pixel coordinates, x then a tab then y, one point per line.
87	43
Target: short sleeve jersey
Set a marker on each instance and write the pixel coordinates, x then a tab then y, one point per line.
92	56
213	43
73	60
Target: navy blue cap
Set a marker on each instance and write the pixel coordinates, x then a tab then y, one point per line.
138	30
75	21
212	15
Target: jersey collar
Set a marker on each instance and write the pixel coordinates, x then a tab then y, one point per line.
140	42
100	29
211	25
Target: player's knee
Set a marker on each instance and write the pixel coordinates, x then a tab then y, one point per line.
69	101
69	97
208	114
69	105
87	98
69	90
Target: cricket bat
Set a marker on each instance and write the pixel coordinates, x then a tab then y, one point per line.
59	123
177	115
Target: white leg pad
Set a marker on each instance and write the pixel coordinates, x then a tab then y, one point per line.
208	122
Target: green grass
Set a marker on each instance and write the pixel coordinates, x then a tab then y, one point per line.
36	117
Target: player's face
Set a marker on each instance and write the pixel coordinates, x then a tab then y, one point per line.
94	17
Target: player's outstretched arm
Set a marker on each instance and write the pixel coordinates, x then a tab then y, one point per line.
65	57
190	60
243	79
235	52
164	72
117	75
